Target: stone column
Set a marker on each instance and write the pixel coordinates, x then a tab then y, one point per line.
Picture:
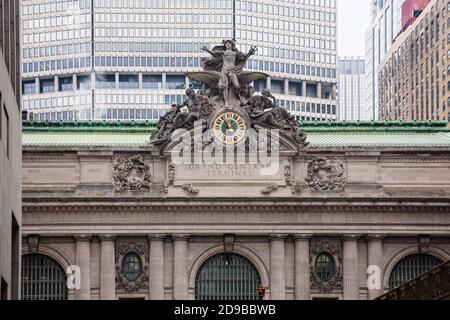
286	86
140	80
156	272
269	83
186	82
56	81
93	81
350	265
180	280
319	90
83	261
37	84
117	80
164	80
277	267
333	91
74	82
107	268
375	258
303	88
302	267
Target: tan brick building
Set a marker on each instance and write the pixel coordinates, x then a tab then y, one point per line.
414	77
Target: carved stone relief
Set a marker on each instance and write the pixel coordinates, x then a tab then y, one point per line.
131	173
326	174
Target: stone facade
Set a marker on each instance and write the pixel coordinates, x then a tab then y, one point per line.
364	206
10	150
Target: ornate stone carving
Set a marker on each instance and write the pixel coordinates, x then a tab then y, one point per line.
333	247
122	249
170	177
326	174
131	173
289	178
227	88
189	188
270	188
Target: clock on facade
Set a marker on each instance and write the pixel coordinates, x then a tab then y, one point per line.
229	127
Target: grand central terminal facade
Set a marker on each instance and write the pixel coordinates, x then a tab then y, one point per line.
350	210
184	233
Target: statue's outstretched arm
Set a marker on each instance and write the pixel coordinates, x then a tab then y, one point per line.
207	50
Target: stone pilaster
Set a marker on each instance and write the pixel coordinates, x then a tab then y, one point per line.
156	264
107	267
180	279
375	258
302	267
83	261
277	267
350	265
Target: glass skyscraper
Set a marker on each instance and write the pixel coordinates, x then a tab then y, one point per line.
386	24
117	59
351	86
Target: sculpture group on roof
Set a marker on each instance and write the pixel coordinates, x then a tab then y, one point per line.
227	86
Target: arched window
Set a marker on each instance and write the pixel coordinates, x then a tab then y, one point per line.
324	266
42	278
411	267
132	266
227	277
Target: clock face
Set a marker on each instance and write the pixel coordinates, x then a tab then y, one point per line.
229	128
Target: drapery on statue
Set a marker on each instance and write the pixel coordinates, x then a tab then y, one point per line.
224	70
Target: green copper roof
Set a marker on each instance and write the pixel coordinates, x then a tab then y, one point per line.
320	134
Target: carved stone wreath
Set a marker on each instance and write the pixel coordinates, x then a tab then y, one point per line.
131	173
326	174
122	250
333	247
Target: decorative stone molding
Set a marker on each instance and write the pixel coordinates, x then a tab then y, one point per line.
277	237
189	188
350	237
270	188
326	174
228	242
107	237
302	237
157	237
83	238
333	247
141	249
424	243
180	237
375	237
33	243
131	173
170	177
289	178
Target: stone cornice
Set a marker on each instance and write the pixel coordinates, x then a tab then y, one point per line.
312	205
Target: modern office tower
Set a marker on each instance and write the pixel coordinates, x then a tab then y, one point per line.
386	24
119	59
414	76
351	86
10	150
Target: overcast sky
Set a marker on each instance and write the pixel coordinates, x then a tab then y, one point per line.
353	20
